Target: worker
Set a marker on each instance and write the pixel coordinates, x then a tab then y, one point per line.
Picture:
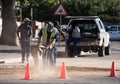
47	37
24	35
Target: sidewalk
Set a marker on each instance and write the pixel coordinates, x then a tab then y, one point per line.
11	56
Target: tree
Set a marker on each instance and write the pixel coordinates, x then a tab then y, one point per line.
44	10
8	36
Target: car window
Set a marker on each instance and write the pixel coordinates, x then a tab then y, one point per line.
113	28
84	25
100	25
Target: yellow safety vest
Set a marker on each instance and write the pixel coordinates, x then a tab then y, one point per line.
44	36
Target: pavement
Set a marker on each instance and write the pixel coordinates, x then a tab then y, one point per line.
11	56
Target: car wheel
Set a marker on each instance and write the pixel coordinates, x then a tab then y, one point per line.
107	50
101	51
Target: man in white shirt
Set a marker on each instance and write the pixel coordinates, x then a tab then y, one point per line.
76	38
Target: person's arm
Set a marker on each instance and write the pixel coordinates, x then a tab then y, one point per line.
53	39
30	31
39	40
50	42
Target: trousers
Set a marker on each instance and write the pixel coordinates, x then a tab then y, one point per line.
75	42
25	50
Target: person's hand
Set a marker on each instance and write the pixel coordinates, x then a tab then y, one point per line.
47	46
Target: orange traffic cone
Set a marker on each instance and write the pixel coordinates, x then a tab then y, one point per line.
27	72
112	73
63	71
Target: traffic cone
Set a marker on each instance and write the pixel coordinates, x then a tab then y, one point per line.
112	73
63	71
27	72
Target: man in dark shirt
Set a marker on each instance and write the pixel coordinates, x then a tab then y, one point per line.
24	34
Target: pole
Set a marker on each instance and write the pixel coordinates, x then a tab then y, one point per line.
60	28
60	20
21	15
32	21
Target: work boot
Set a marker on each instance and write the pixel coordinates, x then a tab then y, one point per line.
23	59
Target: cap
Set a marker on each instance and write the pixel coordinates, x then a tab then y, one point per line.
50	26
27	20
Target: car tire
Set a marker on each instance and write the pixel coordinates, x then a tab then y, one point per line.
107	50
101	51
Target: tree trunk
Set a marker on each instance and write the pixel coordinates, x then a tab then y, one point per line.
8	36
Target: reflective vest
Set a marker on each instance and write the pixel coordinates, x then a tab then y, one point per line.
44	36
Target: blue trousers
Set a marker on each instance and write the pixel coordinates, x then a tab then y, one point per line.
75	42
55	53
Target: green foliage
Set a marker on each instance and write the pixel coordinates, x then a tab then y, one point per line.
108	10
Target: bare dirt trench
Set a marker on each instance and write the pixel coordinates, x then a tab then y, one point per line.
15	72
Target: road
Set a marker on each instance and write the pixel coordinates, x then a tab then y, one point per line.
74	78
88	69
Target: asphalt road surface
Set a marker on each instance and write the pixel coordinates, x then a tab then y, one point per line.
75	75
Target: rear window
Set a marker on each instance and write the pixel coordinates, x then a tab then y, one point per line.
84	25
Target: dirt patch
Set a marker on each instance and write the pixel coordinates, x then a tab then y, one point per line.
41	74
21	69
